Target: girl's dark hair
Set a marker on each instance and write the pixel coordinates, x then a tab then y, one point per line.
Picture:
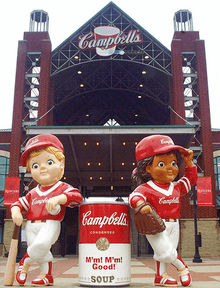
140	175
141	169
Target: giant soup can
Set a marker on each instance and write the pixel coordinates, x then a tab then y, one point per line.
104	243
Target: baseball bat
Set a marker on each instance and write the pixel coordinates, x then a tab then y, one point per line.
11	262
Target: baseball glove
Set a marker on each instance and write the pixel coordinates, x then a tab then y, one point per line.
147	223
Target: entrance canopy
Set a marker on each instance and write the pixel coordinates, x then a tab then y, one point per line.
104	157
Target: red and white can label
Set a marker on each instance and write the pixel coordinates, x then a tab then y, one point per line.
104	245
109	220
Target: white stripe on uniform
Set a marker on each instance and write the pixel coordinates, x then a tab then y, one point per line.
24	203
136	194
186	183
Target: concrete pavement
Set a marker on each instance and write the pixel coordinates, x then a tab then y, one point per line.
65	272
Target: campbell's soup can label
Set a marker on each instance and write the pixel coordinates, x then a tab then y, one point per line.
104	243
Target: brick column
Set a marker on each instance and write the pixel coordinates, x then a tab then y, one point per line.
16	133
205	130
44	89
177	101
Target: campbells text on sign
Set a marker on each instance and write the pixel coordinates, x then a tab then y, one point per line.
106	38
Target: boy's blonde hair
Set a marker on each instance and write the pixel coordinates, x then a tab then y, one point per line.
56	152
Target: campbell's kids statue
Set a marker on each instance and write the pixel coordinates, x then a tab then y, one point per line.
45	205
157	158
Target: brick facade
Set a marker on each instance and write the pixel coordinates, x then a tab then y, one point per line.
177	101
5	140
183	42
32	42
208	227
16	133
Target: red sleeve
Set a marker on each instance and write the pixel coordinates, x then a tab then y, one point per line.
136	196
188	180
22	203
16	204
134	200
73	197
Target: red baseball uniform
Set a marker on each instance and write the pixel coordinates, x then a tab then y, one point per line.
165	198
35	201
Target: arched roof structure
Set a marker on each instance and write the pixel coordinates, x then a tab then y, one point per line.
128	85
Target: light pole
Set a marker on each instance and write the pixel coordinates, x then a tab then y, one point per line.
22	171
196	258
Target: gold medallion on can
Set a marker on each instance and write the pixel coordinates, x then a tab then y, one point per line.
102	244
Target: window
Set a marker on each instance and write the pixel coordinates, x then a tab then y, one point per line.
4	167
217	172
2	217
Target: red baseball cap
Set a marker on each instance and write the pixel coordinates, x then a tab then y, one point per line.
40	141
156	144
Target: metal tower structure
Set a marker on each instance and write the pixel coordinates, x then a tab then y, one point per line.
183	22
32	83
39	21
191	90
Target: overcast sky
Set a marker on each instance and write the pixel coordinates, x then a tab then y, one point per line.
66	16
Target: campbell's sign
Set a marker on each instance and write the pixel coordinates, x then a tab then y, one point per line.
105	39
114	219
